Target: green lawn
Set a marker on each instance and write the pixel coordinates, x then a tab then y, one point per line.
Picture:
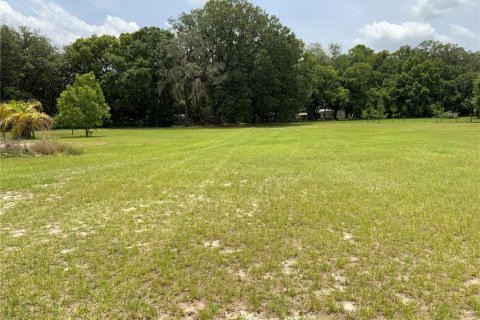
325	220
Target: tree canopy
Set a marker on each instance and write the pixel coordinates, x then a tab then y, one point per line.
83	104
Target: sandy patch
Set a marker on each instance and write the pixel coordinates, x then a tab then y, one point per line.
249	316
347	236
287	266
212	244
54	229
138	245
206	183
248	213
197	198
349	306
190	309
18	233
353	259
472	282
324	292
404	298
85	233
240	273
53	197
402	278
340	281
8	199
238	308
468	315
229	250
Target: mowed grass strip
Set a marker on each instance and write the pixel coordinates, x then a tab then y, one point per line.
323	220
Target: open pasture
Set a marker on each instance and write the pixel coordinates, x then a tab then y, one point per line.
316	221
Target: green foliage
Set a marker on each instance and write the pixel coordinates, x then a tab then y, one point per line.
23	118
31	67
83	104
380	111
230	61
437	110
247	59
476	96
94	54
393	111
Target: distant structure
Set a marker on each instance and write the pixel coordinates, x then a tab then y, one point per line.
302	116
322	114
329	114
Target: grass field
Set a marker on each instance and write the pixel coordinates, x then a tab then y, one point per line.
314	221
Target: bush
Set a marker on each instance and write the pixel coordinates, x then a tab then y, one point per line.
13	148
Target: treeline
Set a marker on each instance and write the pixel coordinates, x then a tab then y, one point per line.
230	61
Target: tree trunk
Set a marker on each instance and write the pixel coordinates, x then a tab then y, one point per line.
216	115
187	121
335	111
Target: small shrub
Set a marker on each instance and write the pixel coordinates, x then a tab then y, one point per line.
13	148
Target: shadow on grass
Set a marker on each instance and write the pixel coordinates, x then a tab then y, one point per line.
232	126
78	137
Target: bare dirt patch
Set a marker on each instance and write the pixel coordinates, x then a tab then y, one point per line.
138	245
472	282
324	292
288	266
340	281
404	298
353	259
67	251
229	250
240	273
8	199
468	315
18	233
349	306
54	229
212	244
348	236
191	309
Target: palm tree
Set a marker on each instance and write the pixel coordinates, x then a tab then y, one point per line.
23	118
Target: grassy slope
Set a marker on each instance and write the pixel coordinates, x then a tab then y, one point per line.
279	220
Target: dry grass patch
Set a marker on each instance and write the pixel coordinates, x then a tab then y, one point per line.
15	148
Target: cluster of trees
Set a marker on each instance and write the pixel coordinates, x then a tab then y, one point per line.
230	61
424	81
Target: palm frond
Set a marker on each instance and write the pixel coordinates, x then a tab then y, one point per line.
23	118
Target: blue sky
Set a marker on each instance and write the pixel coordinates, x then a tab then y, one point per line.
381	24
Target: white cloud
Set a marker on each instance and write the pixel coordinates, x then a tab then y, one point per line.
432	8
196	3
462	32
385	35
59	25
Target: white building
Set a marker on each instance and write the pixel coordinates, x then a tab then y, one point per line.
328	114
